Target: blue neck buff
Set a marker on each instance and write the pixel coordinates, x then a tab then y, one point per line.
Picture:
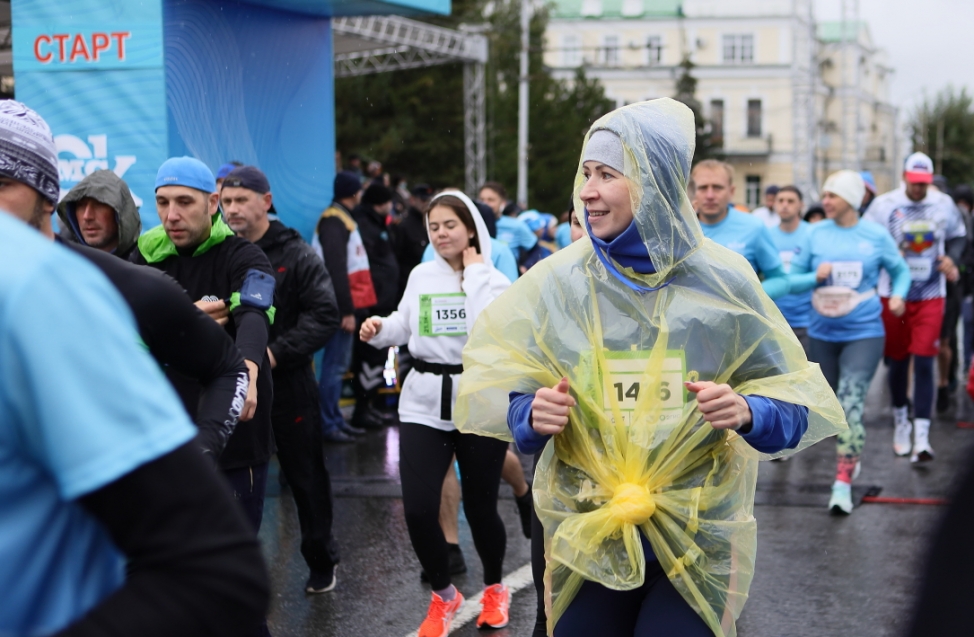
629	251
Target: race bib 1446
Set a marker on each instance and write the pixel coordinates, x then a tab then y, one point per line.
626	378
443	314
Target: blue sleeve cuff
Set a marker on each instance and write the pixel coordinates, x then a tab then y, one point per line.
775	424
527	440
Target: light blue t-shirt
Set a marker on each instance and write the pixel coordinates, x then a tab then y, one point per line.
857	255
796	308
748	237
563	235
516	235
500	255
81	405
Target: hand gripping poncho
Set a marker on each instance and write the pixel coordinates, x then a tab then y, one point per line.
637	455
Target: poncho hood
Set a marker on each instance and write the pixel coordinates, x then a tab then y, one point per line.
658	144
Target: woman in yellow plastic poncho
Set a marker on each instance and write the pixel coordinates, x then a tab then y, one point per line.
646	501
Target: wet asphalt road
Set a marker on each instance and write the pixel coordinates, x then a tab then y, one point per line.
816	574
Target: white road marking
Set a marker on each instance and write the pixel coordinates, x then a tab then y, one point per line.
521	578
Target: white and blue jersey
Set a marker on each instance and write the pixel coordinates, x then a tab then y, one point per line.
920	229
858	255
796	308
81	405
748	237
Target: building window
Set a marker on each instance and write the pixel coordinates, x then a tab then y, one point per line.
717	123
654	50
753	191
738	49
610	50
571	54
754	118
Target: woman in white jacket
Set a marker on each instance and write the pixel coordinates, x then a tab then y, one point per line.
438	309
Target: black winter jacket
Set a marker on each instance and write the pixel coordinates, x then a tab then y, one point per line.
307	313
382	260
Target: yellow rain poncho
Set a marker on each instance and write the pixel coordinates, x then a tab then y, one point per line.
637	454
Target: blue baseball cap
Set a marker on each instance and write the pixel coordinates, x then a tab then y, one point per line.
185	171
225	170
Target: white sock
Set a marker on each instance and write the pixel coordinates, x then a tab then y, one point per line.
900	416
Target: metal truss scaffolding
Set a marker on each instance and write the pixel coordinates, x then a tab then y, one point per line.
376	44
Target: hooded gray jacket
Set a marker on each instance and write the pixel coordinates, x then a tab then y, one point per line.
106	187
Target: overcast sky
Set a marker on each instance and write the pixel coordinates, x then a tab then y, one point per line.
930	43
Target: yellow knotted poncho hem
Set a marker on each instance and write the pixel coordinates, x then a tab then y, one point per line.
636	455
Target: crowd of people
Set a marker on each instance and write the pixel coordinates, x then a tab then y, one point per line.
651	370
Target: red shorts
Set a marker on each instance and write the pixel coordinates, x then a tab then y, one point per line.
916	332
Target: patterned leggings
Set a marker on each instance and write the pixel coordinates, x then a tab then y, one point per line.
849	368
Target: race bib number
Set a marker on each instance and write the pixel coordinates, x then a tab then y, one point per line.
625	380
443	314
786	257
847	274
920	268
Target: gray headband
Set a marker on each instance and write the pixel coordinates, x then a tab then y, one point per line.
605	147
27	151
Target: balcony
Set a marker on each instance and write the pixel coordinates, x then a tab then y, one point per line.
748	146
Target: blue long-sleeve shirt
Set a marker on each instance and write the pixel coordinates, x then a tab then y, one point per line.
775	424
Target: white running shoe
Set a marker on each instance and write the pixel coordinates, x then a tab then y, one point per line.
841	501
922	452
902	438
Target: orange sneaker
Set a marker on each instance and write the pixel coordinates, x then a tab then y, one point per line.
494	607
440	616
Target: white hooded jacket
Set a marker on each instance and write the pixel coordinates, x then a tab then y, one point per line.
481	282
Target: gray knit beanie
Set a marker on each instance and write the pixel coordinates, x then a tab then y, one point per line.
605	147
27	151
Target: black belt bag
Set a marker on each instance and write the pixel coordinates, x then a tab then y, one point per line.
446	388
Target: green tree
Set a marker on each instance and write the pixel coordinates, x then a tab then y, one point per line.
412	120
686	92
944	129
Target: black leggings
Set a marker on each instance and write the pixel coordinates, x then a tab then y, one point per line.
425	454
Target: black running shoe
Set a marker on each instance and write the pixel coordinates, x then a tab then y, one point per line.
943	399
321	581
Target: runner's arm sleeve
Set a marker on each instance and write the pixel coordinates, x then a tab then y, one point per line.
955	248
775	424
192	344
776	283
317	314
802	278
482	284
333	237
252	322
895	265
527	440
194	566
396	328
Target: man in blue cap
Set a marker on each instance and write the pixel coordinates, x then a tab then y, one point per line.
230	279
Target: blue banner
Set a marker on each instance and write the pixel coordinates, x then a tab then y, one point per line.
96	74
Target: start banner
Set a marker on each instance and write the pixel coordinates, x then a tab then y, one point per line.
95	71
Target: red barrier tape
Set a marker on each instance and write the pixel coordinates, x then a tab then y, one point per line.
963	424
873	499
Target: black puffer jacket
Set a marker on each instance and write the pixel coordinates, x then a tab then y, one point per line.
382	260
307	313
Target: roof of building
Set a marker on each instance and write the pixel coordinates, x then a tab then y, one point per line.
624	9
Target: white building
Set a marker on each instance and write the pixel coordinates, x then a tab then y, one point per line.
770	80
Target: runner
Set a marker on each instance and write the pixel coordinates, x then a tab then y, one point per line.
790	236
644	493
739	231
930	232
442	301
99	212
99	465
306	317
234	284
846	331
